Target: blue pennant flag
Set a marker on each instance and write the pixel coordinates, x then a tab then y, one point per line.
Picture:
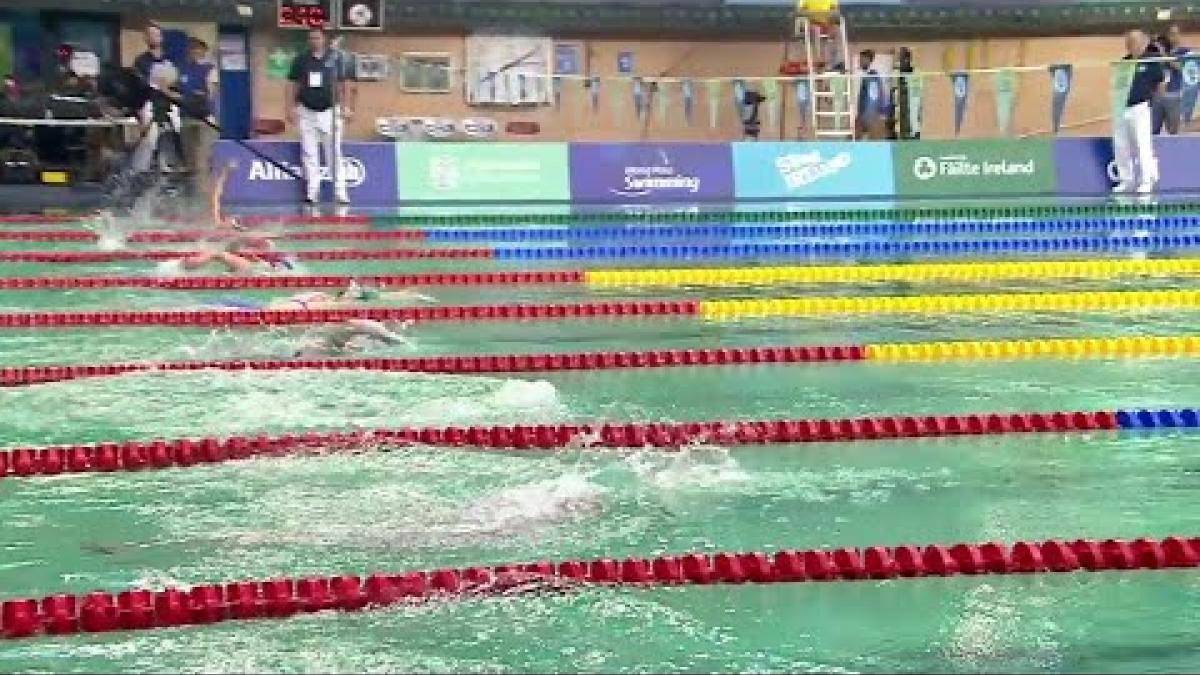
1190	71
689	100
1061	75
961	84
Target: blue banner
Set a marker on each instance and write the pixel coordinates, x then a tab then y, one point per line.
689	100
1061	76
787	171
961	86
804	102
1191	86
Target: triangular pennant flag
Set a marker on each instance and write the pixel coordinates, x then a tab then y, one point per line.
594	92
688	92
521	89
557	83
1190	73
839	86
771	91
638	89
1120	79
662	93
739	97
714	97
960	88
916	100
1005	82
1061	75
804	102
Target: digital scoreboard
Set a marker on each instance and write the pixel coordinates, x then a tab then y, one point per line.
305	13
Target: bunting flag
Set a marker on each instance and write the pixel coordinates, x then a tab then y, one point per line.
1005	82
594	91
618	96
521	89
804	101
839	86
1121	78
771	90
557	84
1061	75
689	100
961	86
916	100
714	96
638	88
1190	71
662	94
739	97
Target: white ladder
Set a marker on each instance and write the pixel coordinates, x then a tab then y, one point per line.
827	55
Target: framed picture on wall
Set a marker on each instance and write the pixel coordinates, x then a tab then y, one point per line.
509	70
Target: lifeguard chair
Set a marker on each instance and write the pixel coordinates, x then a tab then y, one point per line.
820	51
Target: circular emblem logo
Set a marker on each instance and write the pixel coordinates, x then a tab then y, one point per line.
354	172
444	173
360	15
1191	73
924	168
1061	80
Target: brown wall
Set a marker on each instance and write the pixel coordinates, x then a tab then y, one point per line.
1086	111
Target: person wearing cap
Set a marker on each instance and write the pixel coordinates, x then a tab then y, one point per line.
1133	131
310	102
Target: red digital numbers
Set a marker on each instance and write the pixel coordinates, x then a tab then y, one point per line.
293	14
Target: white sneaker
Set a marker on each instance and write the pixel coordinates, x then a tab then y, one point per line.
343	199
1123	187
1145	188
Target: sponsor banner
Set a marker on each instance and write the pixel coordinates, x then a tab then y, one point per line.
369	170
1086	166
813	170
650	173
481	172
985	167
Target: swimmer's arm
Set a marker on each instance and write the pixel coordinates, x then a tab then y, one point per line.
407	295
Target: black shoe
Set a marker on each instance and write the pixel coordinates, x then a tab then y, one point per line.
309	201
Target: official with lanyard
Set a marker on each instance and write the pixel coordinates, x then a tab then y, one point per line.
310	102
1133	131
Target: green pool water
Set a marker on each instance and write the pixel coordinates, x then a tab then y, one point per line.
396	509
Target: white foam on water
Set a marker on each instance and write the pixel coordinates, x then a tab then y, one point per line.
553	501
695	466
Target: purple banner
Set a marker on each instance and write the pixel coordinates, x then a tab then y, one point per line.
369	169
1085	165
651	173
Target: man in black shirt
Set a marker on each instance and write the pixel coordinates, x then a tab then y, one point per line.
1133	131
153	55
310	100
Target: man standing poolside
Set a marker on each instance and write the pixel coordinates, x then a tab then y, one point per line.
1133	132
310	100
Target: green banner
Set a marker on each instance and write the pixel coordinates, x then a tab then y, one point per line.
966	168
471	172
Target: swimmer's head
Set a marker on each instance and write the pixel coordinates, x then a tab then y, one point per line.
360	293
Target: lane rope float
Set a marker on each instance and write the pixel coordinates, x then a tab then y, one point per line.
1074	348
280	598
131	456
745	231
717	276
716	310
807	250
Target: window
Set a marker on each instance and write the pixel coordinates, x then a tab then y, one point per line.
425	73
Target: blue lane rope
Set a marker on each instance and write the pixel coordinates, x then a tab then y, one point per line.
1185	418
1155	225
855	249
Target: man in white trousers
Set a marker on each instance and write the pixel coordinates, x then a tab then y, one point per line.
1133	132
310	101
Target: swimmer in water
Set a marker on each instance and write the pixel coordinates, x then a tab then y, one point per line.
348	337
241	255
351	296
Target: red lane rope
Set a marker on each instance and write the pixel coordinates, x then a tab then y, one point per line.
115	256
36	219
294	281
185	452
103	612
183	236
498	363
281	317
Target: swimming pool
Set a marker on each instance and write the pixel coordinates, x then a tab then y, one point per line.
394	508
